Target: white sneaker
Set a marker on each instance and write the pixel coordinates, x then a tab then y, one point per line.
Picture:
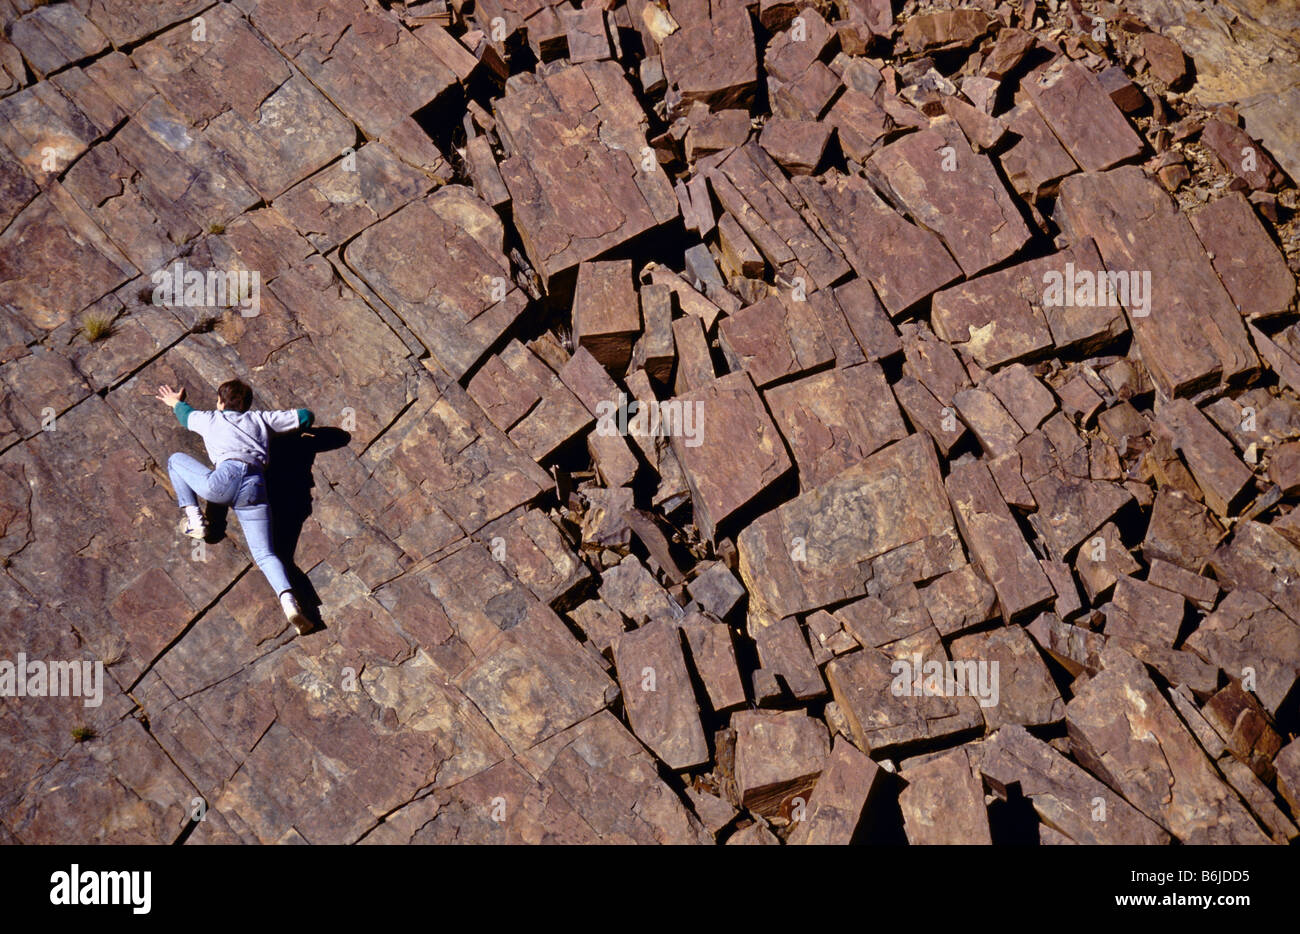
294	613
195	526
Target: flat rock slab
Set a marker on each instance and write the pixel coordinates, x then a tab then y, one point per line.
1071	509
779	755
713	656
1125	732
1219	472
377	71
775	339
996	542
1036	161
1192	335
1247	632
904	263
833	420
457	305
736	454
575	168
1259	557
632	590
606	315
943	802
1067	799
1082	115
1009	315
946	187
339	202
658	695
613	784
1025	692
754	190
713	60
54	261
885	518
783	650
878	696
236	92
443	446
1245	257
839	799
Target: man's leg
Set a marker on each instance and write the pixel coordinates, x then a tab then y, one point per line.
254	513
190	477
256	523
186	474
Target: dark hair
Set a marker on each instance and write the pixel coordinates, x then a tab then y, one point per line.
235	395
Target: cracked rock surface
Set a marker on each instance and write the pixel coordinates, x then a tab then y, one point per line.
704	451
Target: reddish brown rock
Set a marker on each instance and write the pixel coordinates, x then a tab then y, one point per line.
951	190
1123	731
996	542
833	420
943	802
823	546
1183	284
606	317
1180	531
1242	156
783	650
907	262
1082	116
1245	727
1249	265
1037	160
774	340
1025	692
1168	64
713	655
1247	636
949	29
887	710
568	212
1066	797
712	60
754	190
779	755
1258	557
730	421
658	696
843	792
797	145
1102	560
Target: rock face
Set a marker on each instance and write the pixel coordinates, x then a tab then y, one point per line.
738	423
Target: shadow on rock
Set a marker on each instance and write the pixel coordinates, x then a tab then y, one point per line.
289	484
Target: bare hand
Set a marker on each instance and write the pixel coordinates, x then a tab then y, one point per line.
170	396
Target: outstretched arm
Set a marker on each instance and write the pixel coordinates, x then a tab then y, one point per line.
288	419
173	397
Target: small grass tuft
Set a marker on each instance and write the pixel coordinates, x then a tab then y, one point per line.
83	733
97	327
216	228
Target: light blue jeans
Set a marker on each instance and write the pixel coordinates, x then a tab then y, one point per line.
243	489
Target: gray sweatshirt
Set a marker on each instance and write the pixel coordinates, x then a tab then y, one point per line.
241	436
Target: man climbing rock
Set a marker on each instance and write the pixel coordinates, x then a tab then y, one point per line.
237	441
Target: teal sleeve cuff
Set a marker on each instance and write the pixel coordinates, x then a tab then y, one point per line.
183	410
305	418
